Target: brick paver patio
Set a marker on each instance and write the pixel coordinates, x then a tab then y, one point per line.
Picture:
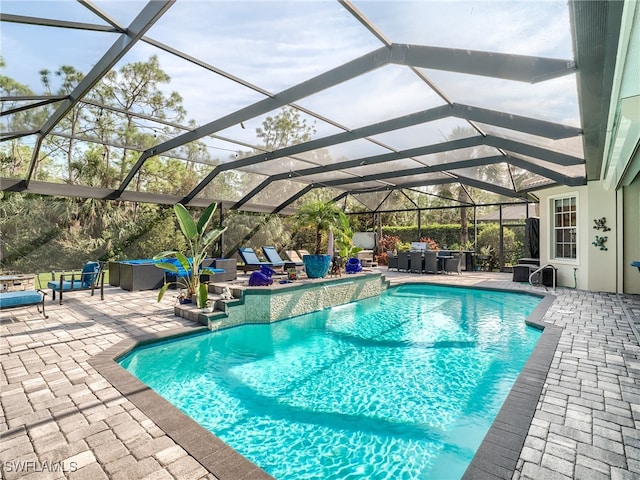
62	419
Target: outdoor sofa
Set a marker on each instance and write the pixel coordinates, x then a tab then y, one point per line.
143	274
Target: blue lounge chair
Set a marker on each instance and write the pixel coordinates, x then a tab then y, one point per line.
273	257
252	262
89	278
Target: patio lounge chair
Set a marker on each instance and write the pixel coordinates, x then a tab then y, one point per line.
89	278
272	256
252	262
293	256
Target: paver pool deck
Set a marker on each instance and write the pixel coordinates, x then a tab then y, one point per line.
62	419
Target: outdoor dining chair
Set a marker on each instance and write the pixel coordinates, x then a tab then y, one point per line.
403	261
453	264
431	261
416	262
392	260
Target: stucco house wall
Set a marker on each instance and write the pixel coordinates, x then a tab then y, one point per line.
593	269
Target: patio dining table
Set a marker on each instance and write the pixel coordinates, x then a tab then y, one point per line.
404	262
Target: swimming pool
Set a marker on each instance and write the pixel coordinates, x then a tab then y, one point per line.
401	386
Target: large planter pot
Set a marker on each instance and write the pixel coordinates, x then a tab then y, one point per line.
316	266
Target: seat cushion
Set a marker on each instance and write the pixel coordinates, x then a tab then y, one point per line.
183	273
90	273
68	285
21	298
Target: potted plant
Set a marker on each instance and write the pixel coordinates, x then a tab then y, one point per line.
323	217
485	257
344	242
184	297
188	266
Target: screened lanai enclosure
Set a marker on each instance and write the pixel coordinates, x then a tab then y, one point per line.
406	113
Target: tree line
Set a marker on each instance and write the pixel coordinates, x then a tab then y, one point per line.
101	138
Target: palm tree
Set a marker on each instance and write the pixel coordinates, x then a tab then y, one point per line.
323	216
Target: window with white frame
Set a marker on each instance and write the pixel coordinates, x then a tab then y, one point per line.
565	227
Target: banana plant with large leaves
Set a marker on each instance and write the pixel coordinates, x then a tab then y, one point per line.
199	238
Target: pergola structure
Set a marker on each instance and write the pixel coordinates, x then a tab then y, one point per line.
385	112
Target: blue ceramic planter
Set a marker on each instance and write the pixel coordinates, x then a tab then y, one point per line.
316	266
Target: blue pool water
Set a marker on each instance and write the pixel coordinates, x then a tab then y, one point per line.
402	386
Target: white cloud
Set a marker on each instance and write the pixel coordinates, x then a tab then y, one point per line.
532	27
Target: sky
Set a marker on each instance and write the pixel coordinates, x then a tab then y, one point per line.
275	45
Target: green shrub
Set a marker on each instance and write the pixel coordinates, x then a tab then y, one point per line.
403	247
489	238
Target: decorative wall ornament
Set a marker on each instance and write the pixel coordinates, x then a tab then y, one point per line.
601	224
600	241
